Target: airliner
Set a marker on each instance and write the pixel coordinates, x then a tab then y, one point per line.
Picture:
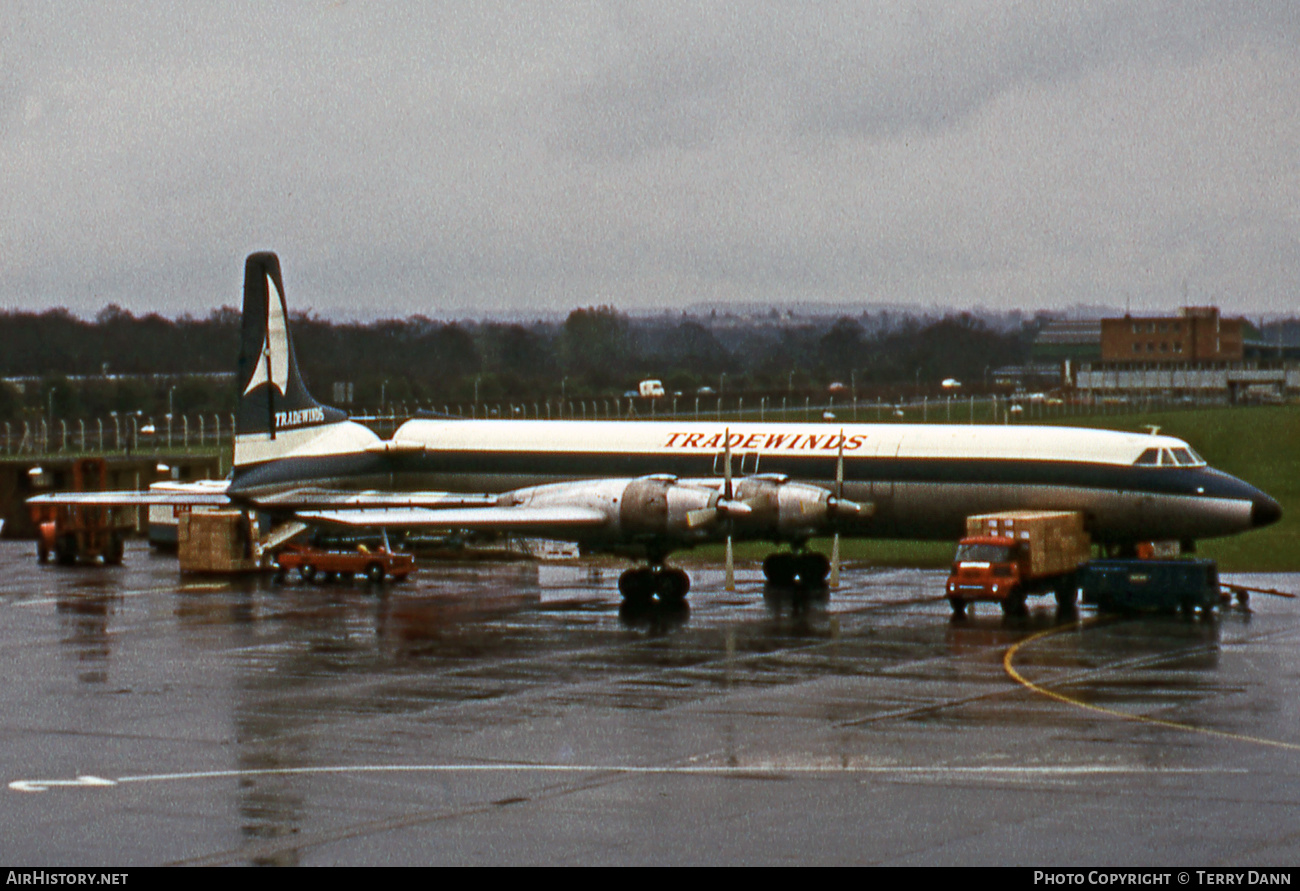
645	489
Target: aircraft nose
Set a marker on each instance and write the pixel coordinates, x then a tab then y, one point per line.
1264	511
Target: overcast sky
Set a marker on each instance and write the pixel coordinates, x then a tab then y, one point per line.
479	156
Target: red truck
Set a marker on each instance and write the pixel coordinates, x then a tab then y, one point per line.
315	564
1005	557
82	533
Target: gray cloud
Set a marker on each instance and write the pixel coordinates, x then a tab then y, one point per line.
419	157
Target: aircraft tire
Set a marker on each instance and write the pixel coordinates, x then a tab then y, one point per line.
779	569
811	569
636	586
672	585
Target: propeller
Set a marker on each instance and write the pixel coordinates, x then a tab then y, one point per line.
838	505
726	495
705	515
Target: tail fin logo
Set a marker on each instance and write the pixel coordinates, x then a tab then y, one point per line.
273	360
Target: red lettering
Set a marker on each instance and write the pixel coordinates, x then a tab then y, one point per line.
774	440
811	443
692	441
713	441
754	441
832	443
672	439
854	442
735	439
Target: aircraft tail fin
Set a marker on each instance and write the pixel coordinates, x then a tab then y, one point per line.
275	406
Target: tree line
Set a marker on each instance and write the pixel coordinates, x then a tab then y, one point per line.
121	362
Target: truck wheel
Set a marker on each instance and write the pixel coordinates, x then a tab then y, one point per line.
1014	605
306	572
113	555
1067	597
375	572
47	540
958	608
65	549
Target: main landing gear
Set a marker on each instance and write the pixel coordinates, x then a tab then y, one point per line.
803	569
645	585
662	584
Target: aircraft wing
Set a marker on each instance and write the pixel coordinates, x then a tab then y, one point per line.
207	494
311	498
553	519
205	497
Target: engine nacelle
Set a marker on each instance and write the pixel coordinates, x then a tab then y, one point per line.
662	506
646	507
782	509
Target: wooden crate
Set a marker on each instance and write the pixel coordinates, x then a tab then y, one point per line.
1055	541
219	541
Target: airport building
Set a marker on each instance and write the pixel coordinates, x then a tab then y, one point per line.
1198	354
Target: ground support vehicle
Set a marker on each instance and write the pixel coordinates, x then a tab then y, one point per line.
317	564
1006	557
1152	585
81	533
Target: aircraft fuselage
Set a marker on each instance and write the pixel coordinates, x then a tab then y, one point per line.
921	481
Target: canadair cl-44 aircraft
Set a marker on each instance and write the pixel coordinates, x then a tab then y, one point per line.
645	489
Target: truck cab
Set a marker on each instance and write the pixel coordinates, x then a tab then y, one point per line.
986	567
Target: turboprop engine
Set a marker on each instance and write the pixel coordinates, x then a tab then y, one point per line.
648	507
781	509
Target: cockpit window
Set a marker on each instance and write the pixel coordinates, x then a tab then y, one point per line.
1179	457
